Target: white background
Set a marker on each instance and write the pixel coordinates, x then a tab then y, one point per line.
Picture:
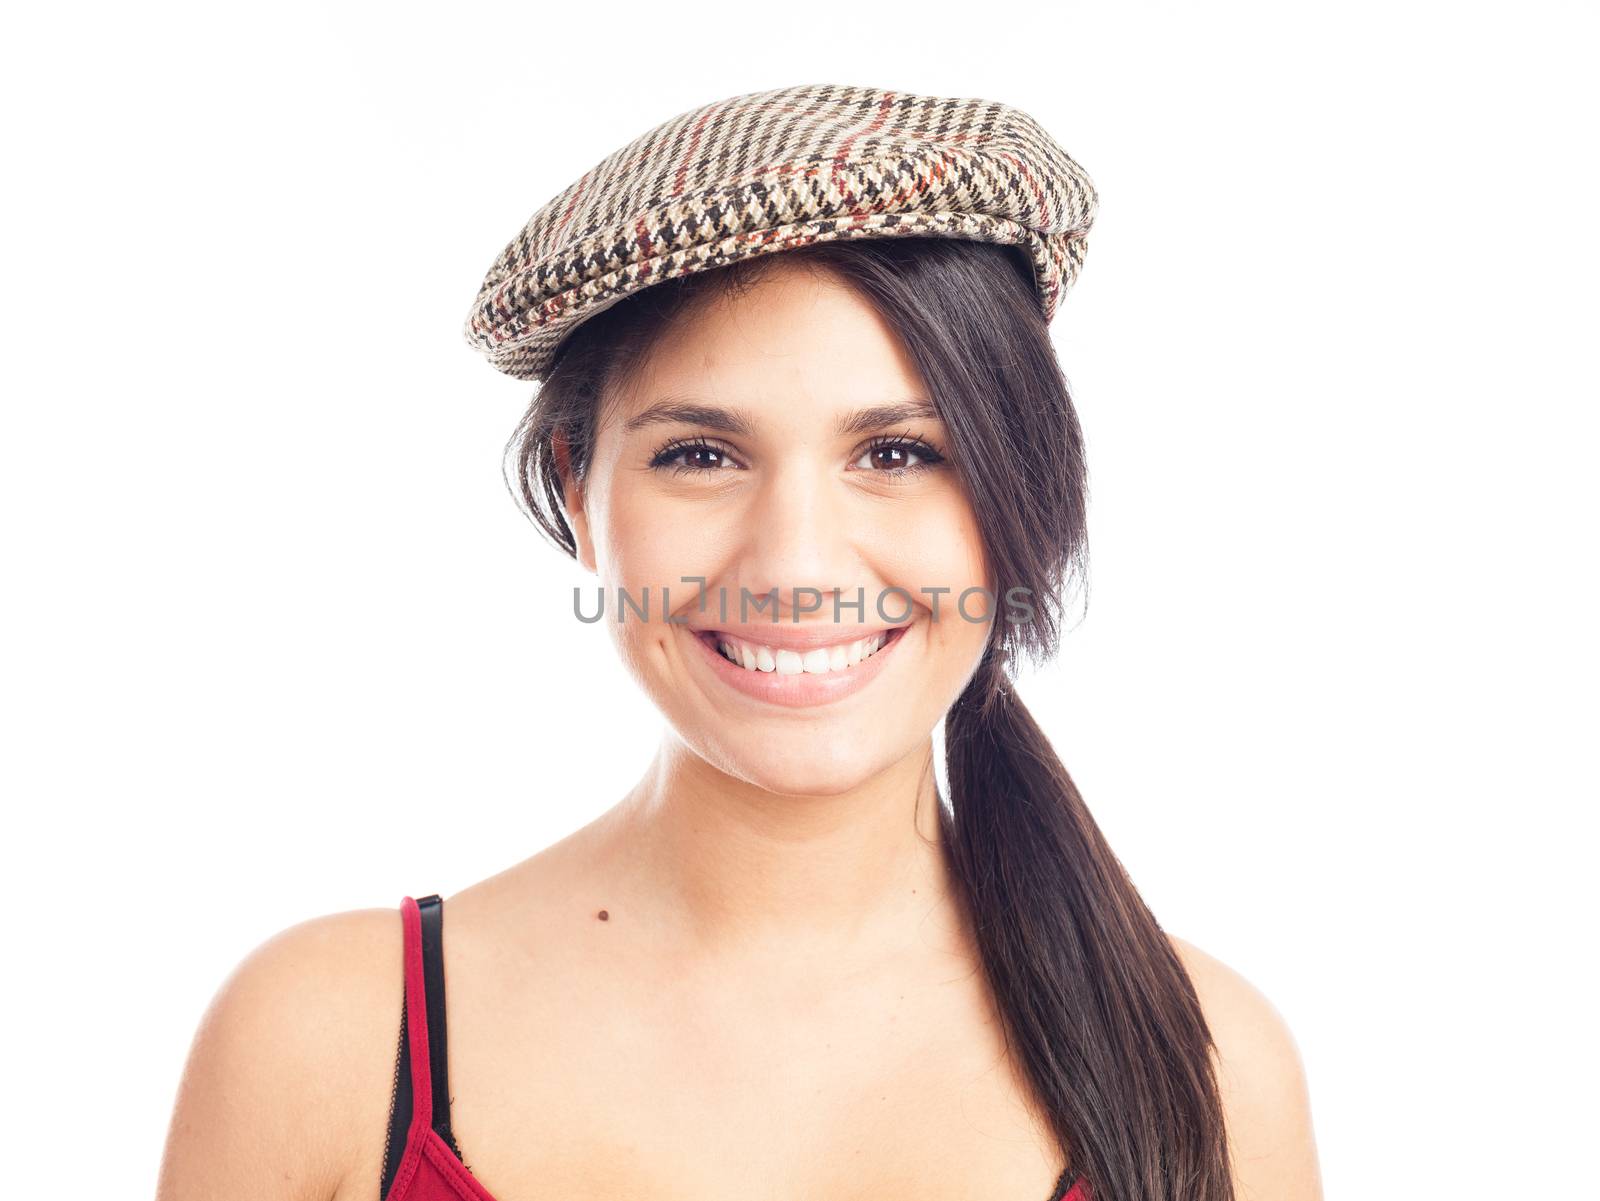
270	610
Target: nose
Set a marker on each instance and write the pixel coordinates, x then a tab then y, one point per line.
798	538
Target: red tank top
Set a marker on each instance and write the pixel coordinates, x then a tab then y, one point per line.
421	1160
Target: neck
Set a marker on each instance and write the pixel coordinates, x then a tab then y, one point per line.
729	867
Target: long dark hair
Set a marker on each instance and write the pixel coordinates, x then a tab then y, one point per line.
1097	1006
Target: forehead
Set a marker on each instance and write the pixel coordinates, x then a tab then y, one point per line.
798	342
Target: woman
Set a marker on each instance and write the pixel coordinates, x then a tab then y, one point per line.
842	489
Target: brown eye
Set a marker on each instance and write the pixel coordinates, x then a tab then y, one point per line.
691	455
899	456
702	456
891	456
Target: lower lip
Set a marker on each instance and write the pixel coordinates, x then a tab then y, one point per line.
801	690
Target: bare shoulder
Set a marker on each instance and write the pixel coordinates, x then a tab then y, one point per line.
284	1096
1262	1080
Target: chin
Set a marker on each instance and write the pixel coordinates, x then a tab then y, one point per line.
802	765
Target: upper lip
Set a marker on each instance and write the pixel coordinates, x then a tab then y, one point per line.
798	636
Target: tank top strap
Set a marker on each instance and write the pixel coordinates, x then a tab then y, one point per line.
420	1045
426	1029
422	1065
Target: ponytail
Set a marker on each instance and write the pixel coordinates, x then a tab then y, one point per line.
1097	1007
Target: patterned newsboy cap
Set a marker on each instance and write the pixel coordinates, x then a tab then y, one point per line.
768	171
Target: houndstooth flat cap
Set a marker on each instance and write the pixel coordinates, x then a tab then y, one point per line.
768	171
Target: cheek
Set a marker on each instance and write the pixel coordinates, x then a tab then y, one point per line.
643	553
936	544
933	550
647	544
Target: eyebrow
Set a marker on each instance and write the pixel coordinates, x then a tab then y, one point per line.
733	420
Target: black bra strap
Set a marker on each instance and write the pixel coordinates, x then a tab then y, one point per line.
431	910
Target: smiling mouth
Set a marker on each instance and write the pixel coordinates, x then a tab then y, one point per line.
754	657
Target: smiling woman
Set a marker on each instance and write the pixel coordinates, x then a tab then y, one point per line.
787	955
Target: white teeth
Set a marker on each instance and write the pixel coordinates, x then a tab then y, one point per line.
823	659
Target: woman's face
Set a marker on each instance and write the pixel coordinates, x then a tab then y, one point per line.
784	478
